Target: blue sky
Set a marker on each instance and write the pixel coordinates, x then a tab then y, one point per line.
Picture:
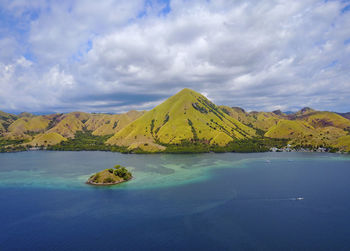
114	56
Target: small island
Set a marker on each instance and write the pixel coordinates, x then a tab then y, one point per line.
110	176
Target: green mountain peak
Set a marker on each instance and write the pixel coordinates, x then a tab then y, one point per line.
185	117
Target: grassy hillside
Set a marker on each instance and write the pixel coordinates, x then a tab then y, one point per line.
6	119
302	134
30	124
186	116
264	120
2	128
106	124
25	114
258	120
50	138
86	141
236	113
288	129
343	143
5	115
305	128
303	111
54	129
186	122
25	128
345	115
68	124
324	119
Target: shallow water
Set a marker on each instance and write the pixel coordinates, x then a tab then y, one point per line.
192	201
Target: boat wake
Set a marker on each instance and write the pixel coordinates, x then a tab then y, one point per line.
273	199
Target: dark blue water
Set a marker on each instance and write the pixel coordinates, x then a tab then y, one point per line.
177	202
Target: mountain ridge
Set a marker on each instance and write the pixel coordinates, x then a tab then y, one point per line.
186	118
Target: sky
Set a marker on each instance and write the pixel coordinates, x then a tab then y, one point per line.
114	56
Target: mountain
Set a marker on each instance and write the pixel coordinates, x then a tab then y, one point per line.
185	117
343	143
312	128
288	129
25	114
49	130
29	124
68	124
106	124
236	113
258	120
306	127
6	119
345	115
304	111
187	121
50	138
323	119
24	127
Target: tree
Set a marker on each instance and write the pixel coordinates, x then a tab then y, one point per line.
123	173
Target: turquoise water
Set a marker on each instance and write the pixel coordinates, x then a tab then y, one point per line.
192	201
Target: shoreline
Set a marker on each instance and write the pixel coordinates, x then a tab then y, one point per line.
106	184
303	150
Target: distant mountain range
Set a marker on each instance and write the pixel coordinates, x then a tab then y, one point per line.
345	115
185	118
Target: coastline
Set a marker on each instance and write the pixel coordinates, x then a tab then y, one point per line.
106	184
274	149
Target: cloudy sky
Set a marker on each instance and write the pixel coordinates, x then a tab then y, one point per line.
114	56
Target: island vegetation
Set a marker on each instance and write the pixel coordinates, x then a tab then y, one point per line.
110	176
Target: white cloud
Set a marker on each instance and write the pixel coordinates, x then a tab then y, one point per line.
256	54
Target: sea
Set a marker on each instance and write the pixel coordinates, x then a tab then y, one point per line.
213	201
